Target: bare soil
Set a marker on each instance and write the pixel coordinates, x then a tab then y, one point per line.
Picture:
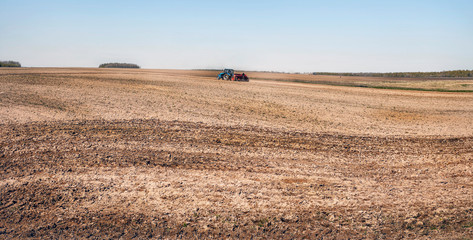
110	153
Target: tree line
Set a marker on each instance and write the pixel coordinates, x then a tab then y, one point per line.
454	73
9	64
118	65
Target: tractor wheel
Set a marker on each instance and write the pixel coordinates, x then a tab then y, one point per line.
225	77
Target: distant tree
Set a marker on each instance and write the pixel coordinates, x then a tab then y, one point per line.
118	65
452	74
9	64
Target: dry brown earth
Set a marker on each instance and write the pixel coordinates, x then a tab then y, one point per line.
107	153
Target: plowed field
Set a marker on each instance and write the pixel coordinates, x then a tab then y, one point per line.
101	153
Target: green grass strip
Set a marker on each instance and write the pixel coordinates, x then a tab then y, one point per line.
365	86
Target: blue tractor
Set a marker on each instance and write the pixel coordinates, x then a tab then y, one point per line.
227	74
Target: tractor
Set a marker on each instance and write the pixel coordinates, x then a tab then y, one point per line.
229	74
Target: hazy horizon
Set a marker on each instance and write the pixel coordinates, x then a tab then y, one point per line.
285	36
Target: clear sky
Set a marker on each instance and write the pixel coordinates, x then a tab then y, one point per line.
297	35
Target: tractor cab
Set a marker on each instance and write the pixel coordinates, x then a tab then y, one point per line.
229	71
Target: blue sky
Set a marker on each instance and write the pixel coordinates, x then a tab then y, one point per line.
296	36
